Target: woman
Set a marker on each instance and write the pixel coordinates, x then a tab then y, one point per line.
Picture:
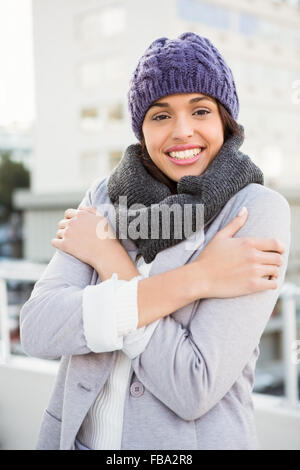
158	335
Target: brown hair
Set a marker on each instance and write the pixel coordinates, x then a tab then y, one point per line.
230	128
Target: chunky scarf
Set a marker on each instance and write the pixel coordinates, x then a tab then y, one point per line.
206	195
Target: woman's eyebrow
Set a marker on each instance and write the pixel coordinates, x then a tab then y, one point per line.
193	100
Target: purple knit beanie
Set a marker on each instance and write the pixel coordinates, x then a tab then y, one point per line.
188	64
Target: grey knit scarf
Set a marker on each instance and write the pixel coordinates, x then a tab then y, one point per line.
147	199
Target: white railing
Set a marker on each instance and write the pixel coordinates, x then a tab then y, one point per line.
289	294
4	323
15	270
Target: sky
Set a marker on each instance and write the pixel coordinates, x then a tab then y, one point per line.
16	63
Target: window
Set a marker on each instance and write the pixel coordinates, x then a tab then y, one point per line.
99	74
91	75
248	24
94	118
113	68
104	23
198	11
293	3
112	20
114	113
91	119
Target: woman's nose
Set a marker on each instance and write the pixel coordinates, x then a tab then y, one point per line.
182	129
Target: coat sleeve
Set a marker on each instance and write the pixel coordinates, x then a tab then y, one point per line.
199	365
51	323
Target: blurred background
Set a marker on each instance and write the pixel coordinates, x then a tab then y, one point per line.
65	68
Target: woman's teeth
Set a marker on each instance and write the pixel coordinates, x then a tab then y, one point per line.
186	154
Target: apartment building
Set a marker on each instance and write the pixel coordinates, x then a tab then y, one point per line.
85	52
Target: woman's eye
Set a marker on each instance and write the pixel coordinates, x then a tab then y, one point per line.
202	111
156	117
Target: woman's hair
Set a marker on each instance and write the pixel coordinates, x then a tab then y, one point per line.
230	128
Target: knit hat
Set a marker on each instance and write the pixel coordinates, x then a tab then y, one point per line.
188	64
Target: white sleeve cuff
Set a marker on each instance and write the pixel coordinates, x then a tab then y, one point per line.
109	312
126	306
136	342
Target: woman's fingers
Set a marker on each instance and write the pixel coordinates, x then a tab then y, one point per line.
234	225
90	209
57	243
268	283
60	233
267	244
269	271
63	223
69	213
270	258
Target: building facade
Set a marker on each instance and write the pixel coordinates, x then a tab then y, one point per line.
85	52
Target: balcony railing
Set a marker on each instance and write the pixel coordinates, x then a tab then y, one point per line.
20	271
289	294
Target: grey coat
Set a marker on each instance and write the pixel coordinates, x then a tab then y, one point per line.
198	368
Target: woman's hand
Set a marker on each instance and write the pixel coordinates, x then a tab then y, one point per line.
239	266
86	234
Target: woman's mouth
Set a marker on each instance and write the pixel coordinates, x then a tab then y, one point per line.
182	160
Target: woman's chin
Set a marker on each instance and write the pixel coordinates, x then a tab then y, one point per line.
191	172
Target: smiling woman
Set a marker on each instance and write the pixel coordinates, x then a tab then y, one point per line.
159	340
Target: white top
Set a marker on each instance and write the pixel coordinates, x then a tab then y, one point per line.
110	319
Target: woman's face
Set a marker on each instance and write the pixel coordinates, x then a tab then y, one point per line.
180	120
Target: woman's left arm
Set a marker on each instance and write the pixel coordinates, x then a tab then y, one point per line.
201	364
